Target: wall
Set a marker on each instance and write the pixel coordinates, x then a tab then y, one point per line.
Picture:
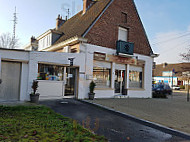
24	81
30	62
146	92
18	56
54	58
105	31
83	60
57	88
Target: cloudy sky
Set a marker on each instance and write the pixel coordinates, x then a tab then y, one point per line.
167	22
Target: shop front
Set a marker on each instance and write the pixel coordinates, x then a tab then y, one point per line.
58	80
120	79
117	75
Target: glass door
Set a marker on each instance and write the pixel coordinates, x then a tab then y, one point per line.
119	81
71	81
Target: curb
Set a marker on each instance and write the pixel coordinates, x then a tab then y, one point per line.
142	121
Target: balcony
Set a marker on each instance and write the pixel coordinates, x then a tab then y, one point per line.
124	47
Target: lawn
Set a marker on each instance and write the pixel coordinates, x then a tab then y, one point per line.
39	123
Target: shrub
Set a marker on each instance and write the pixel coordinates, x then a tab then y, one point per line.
34	86
92	86
182	86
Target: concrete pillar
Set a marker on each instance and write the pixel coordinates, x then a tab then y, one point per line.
113	75
33	71
127	76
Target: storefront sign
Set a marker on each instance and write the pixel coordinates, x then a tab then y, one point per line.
70	75
99	56
120	60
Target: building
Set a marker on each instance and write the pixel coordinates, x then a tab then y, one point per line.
107	43
171	73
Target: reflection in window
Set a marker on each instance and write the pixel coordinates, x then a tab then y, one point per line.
50	72
135	79
102	77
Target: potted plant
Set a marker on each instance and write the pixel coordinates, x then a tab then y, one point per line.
91	88
34	97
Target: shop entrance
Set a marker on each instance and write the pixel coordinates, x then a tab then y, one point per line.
71	82
119	81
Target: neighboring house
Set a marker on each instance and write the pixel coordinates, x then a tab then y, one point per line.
108	44
167	72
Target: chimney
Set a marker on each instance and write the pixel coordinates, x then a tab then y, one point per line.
32	39
87	4
164	65
59	22
34	43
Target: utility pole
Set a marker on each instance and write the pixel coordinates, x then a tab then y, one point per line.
68	13
188	90
187	76
14	23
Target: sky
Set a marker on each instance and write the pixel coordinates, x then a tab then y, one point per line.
167	22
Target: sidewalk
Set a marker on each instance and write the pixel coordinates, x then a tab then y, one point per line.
173	112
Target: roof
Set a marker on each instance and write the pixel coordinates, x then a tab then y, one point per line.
78	24
179	68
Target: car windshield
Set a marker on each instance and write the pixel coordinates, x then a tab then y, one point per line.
158	86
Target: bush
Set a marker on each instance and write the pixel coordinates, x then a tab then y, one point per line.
159	95
182	86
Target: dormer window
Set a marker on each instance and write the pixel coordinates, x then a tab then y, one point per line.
124	17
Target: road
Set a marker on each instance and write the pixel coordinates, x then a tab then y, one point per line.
115	128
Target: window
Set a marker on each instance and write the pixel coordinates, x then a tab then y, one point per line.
50	72
102	77
124	17
136	77
122	34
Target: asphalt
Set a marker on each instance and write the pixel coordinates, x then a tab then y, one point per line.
114	127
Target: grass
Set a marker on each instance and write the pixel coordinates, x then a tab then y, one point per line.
41	124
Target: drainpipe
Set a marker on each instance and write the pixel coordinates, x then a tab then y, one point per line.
0	71
188	90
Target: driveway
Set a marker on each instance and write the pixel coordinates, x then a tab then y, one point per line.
173	112
115	128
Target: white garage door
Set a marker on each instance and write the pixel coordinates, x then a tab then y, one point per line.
10	86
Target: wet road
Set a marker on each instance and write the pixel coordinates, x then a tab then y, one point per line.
115	128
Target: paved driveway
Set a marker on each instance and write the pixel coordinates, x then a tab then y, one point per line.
112	126
173	112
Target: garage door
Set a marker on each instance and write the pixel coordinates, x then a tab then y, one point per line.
10	86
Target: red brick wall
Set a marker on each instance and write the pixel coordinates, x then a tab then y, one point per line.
105	31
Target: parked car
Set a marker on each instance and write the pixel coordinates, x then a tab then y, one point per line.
161	89
175	87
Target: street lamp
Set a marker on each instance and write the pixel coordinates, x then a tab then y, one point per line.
187	76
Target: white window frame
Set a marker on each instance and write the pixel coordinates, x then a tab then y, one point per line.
122	34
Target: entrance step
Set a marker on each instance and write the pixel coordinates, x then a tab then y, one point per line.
120	96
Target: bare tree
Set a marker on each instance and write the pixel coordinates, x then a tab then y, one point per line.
186	56
7	41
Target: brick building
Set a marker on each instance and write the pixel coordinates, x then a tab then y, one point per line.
118	56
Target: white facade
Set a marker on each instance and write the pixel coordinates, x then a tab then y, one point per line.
84	62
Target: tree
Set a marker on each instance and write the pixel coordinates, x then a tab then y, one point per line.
186	56
7	41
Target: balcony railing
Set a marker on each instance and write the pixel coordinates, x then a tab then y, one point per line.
124	47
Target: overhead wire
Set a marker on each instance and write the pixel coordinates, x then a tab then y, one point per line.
161	42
